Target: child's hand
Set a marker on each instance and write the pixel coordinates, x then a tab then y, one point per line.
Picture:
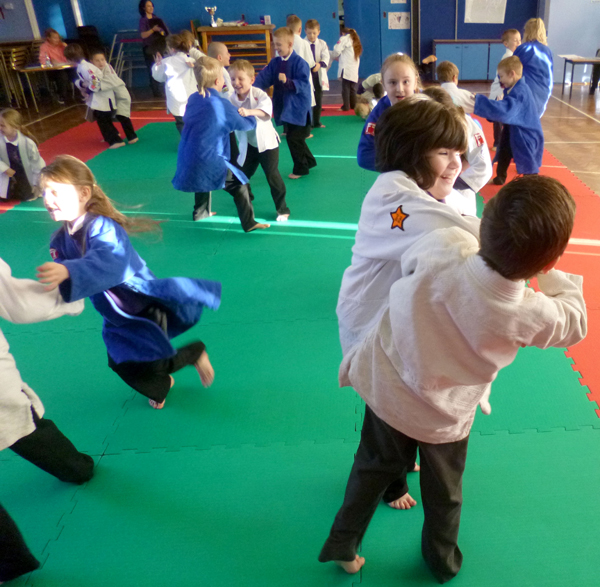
158	59
243	112
316	67
282	78
10	172
52	275
190	64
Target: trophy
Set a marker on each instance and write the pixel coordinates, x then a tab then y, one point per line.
211	10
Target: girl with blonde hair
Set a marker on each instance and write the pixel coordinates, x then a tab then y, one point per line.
537	62
93	257
20	159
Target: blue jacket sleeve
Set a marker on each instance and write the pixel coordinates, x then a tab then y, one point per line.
109	260
265	79
507	111
366	145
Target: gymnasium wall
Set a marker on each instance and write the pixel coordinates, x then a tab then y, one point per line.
56	14
573	29
15	24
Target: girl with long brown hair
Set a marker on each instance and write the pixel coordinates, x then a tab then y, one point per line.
348	51
93	257
20	160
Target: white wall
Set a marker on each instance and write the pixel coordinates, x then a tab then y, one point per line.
573	29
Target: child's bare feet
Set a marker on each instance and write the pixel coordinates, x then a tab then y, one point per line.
205	370
133	141
282	217
403	503
352	567
156	405
117	145
310	136
416	469
258	226
294	176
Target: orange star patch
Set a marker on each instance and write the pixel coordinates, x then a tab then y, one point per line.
398	218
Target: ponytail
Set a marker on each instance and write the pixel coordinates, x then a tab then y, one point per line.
356	44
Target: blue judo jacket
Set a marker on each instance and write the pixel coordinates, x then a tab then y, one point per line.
105	267
518	110
537	71
289	105
204	150
366	146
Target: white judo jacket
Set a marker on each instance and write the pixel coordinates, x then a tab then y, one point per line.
321	55
98	99
264	137
30	158
23	301
462	98
395	214
347	65
180	83
109	80
302	47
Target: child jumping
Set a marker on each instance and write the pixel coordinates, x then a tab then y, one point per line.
203	160
348	51
176	72
522	136
457	315
289	75
259	146
20	160
92	257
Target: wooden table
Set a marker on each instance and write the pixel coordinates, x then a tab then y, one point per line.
576	60
38	69
258	35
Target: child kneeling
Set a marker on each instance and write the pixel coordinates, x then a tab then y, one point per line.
458	314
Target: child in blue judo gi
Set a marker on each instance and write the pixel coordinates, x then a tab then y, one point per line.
537	62
94	258
522	137
203	160
289	75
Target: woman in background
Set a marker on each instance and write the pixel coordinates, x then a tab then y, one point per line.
154	33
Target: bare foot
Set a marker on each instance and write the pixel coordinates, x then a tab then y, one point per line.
258	226
134	141
416	469
352	567
117	145
403	503
156	405
294	176
205	370
283	217
310	136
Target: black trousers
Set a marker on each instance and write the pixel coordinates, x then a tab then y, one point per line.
109	132
15	558
497	126
595	78
318	107
50	450
348	94
384	454
157	88
301	156
152	378
269	161
504	153
178	123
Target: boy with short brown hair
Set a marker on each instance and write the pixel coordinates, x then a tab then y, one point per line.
447	74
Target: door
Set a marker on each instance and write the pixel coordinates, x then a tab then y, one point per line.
396	15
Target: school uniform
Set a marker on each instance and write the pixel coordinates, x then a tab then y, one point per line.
110	81
395	214
365	155
141	313
203	160
348	66
522	136
537	71
452	323
23	427
291	105
180	83
320	81
479	170
23	157
496	93
261	146
462	98
100	102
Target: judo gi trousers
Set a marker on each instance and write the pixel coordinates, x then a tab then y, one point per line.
15	557
318	107
269	161
50	450
241	198
301	156
152	378
348	94
384	455
109	132
504	154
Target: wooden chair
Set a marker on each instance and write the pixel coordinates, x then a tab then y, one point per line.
16	58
